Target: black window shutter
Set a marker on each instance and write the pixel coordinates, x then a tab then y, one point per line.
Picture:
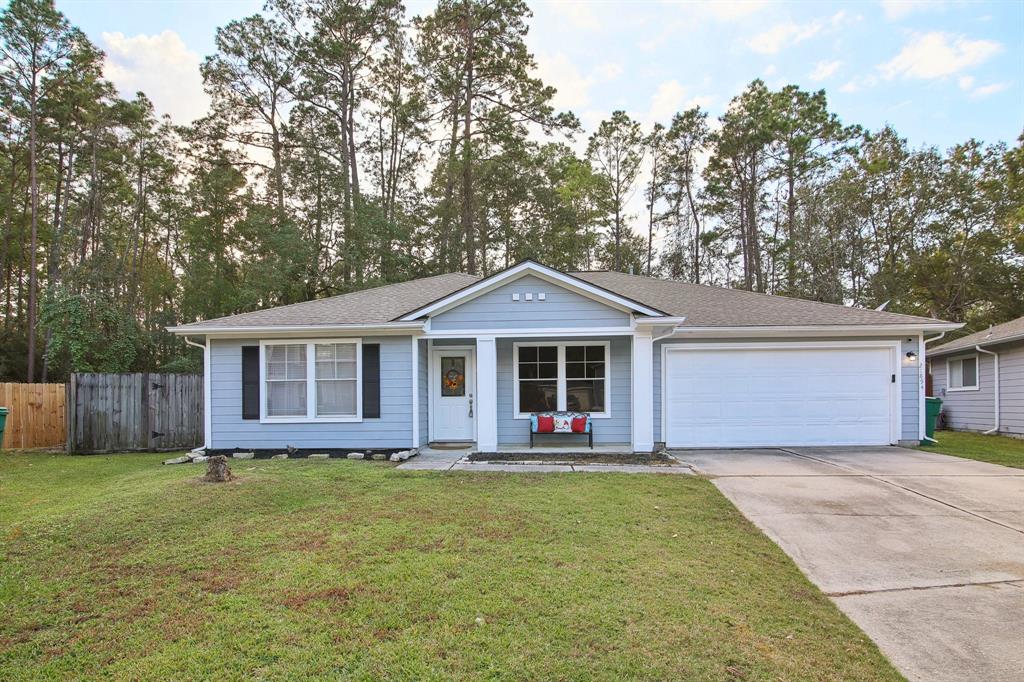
250	382
371	380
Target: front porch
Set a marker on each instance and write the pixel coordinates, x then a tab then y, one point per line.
480	391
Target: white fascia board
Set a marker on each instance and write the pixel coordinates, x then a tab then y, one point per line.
659	321
542	271
524	333
984	344
286	331
812	330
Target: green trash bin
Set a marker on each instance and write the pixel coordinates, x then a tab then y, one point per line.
3	423
931	415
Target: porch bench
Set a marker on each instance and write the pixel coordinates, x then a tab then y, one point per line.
562	423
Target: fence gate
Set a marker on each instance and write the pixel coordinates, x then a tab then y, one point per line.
114	412
36	418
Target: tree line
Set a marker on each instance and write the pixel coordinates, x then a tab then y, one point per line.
349	145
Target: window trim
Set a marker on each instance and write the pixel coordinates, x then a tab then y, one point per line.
949	373
561	380
311	416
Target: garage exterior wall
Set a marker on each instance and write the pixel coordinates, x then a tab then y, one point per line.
392	430
910	378
975	410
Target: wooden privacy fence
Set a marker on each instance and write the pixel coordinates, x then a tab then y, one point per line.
36	415
115	412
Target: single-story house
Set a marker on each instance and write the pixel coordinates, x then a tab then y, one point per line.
458	358
980	379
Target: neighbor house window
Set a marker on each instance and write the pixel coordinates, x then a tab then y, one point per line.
312	380
563	376
963	373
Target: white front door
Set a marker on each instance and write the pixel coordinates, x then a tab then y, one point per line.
452	385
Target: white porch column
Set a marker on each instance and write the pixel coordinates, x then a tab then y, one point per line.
486	394
643	392
415	361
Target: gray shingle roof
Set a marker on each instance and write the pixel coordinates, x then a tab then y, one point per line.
369	306
703	306
1007	331
707	306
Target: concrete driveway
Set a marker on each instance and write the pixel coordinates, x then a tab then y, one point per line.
923	551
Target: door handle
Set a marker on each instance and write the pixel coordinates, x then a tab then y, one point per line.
470	404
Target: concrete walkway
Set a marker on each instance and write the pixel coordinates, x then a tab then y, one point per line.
923	551
456	460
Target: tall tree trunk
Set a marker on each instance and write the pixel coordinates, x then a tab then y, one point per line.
467	151
445	243
791	231
34	191
348	227
696	228
650	213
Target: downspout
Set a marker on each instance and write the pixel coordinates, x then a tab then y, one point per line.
206	391
995	384
923	348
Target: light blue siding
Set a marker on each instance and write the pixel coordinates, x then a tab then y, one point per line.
560	309
975	410
909	400
614	429
392	430
910	383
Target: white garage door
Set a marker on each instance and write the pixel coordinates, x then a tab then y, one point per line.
763	396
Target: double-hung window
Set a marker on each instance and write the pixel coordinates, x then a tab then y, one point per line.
561	376
963	373
311	380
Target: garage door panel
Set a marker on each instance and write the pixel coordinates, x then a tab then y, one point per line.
773	396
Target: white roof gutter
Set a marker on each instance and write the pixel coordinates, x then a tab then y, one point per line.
293	328
817	329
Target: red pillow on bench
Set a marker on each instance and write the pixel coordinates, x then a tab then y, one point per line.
579	424
545	423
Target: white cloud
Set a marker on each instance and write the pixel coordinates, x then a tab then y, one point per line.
666	101
790	33
608	71
670	99
936	55
573	88
965	82
991	89
898	9
580	14
161	66
727	10
780	35
823	70
858	84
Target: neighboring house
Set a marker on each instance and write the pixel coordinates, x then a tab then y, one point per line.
459	358
980	379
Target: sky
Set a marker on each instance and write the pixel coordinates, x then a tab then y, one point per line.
939	72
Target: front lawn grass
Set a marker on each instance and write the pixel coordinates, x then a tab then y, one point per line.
117	567
995	449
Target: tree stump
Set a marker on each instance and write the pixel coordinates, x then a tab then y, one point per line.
217	470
